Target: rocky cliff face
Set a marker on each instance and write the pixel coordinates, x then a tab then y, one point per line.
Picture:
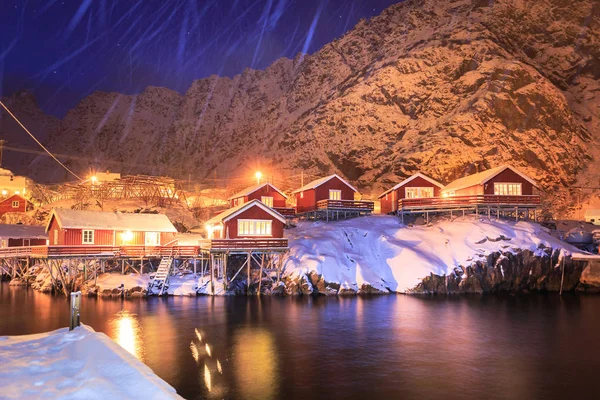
445	87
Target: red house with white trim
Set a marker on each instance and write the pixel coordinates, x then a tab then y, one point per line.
16	235
14	203
251	220
99	228
500	181
265	192
331	187
415	187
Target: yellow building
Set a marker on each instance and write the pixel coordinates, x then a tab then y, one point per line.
11	184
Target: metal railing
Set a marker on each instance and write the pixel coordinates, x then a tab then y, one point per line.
359	205
471	200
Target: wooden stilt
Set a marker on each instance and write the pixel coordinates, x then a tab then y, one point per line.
212	275
225	259
262	262
248	278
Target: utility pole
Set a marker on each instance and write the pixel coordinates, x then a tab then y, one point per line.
2	142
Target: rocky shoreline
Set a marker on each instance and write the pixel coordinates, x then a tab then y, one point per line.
523	271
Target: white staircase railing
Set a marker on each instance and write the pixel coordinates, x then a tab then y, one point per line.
161	277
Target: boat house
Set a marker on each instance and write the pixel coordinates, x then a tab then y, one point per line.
501	181
268	194
14	203
328	196
99	228
416	186
22	235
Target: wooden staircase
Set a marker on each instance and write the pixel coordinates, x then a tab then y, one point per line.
161	277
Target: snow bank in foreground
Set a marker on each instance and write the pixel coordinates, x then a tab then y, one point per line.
379	251
81	364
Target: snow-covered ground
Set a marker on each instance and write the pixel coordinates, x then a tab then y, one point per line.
379	251
81	364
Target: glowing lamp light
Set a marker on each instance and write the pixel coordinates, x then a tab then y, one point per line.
94	179
444	194
127	236
4	192
17	192
258	175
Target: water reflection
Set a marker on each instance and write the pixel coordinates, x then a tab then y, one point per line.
255	366
126	328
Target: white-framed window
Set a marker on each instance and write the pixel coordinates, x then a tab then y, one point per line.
15	204
507	189
87	236
418	192
267	200
56	236
254	227
152	238
335	194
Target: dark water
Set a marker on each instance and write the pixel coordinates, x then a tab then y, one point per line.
527	347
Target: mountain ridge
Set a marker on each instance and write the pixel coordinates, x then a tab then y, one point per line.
444	87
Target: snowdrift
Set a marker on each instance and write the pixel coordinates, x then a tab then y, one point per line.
381	252
81	364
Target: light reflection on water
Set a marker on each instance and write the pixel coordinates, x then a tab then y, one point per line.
494	347
128	333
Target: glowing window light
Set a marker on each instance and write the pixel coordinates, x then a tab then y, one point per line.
127	236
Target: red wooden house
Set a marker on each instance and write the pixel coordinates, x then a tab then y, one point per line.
415	187
99	228
14	203
500	181
265	192
248	220
22	235
329	193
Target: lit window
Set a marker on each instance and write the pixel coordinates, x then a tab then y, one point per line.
267	201
254	227
507	189
152	238
335	194
418	192
88	237
301	195
56	236
386	196
15	204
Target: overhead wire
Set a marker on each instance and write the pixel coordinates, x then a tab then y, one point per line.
38	142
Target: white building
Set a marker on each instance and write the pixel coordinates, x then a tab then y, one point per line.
592	216
11	184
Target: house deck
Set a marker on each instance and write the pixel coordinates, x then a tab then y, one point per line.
346	205
467	202
288	212
244	245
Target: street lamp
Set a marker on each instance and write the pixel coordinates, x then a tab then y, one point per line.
94	179
258	175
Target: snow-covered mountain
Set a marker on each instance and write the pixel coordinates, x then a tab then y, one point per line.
447	87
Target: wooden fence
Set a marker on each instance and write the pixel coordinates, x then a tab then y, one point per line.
472	200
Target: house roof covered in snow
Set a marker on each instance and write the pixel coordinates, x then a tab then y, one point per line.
118	221
482	177
232	212
318	182
253	189
409	179
18	231
590	212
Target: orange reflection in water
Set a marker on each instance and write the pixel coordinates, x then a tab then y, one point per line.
256	369
127	333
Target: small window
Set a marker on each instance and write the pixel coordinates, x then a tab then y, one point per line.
418	192
254	227
301	195
267	201
386	196
152	238
88	237
15	204
335	194
56	236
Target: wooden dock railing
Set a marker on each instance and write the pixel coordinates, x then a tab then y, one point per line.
354	205
105	251
472	200
246	243
288	212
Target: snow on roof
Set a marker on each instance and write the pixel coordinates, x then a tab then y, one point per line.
253	189
482	177
79	219
5	172
232	212
318	182
592	212
18	231
407	180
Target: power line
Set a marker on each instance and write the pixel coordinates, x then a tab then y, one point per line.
38	142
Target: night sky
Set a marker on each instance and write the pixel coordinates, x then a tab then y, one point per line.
65	50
